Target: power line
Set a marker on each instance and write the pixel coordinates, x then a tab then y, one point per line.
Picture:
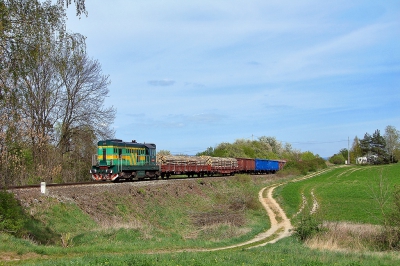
307	142
316	142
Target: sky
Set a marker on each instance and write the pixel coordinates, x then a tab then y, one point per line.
188	75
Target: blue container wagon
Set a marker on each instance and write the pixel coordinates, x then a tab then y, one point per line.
266	166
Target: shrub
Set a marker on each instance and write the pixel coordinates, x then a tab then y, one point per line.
304	167
309	225
391	234
337	159
12	218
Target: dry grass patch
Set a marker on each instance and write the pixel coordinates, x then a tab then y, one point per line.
218	225
116	223
346	236
218	231
218	217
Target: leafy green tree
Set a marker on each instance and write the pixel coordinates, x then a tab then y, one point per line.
378	147
264	147
374	147
208	152
365	144
307	156
276	146
344	152
337	159
79	5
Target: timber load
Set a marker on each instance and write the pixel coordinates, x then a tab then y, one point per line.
181	160
196	165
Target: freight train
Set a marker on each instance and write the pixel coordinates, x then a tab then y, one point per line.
117	160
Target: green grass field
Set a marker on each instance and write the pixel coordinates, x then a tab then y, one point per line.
286	252
343	194
349	193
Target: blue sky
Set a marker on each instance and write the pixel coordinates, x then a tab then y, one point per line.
188	75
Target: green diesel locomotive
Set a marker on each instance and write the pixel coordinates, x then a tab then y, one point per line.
117	160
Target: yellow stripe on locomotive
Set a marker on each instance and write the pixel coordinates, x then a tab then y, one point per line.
129	156
117	160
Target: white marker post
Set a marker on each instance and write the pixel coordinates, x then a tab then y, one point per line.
43	187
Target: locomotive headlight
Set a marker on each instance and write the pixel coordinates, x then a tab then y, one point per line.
93	171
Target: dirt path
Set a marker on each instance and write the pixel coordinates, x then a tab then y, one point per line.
281	226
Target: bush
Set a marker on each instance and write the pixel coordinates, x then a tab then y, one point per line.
337	159
391	234
304	167
309	225
12	218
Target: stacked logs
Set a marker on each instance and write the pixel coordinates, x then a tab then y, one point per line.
181	160
221	162
196	160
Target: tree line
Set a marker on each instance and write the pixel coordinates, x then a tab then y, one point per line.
372	149
51	95
264	147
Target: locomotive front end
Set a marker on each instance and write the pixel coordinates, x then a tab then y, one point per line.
117	160
103	167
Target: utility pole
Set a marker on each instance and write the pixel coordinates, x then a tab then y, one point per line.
348	150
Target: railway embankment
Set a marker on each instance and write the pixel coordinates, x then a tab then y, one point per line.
203	212
162	221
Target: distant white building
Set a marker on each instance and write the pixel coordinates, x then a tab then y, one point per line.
362	160
366	159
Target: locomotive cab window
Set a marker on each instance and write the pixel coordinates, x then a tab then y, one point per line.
104	154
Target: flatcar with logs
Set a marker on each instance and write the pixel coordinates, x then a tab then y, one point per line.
117	160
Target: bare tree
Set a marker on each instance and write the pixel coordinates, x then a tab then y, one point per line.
51	93
392	138
27	80
355	150
39	95
82	100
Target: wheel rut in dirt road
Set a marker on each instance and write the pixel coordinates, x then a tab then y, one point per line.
280	224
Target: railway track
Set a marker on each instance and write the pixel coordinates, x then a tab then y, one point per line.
48	185
88	183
